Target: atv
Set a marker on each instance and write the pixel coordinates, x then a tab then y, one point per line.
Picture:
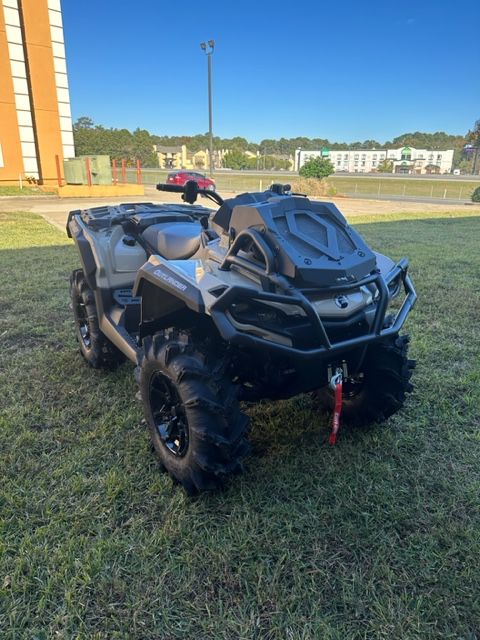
268	295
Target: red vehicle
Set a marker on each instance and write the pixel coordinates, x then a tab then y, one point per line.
181	177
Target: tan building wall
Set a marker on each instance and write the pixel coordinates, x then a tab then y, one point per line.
175	158
35	116
11	164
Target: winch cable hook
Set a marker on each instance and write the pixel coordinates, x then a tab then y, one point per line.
336	383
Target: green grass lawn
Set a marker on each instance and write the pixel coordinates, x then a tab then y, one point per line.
436	188
377	538
344	185
24	191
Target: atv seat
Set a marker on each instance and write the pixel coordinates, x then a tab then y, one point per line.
174	240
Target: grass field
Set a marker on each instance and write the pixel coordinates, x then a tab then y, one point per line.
344	185
25	191
436	188
377	538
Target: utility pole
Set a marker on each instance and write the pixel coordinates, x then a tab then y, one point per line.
208	47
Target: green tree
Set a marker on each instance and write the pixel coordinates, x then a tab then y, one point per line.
235	160
84	122
119	144
385	166
91	138
143	148
473	137
317	168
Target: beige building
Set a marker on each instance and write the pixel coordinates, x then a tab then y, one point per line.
406	160
178	157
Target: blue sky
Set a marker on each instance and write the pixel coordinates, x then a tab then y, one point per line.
345	70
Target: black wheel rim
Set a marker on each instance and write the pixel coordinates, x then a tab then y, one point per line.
168	414
83	324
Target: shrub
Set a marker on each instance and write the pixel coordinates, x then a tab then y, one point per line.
313	187
476	195
317	168
235	160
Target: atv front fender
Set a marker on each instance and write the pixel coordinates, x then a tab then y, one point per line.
165	290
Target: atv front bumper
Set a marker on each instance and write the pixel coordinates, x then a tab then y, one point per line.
322	345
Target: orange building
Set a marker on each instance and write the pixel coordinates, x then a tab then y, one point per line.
35	118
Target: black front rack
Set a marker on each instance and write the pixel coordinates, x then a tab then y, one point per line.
271	281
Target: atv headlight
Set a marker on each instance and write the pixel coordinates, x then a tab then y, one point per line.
270	320
334	306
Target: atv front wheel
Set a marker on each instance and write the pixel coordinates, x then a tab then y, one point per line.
95	347
378	391
191	408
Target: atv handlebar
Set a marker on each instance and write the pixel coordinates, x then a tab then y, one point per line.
173	188
190	191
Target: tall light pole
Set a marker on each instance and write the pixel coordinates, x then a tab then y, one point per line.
208	48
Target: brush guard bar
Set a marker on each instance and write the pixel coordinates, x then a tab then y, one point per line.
271	281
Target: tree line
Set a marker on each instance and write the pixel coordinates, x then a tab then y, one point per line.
91	138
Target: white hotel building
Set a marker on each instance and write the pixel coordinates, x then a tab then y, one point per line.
405	159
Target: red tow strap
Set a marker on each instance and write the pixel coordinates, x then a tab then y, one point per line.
337	412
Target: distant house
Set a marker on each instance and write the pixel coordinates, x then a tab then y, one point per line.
179	157
171	157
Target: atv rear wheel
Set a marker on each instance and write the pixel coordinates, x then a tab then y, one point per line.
380	389
95	347
191	408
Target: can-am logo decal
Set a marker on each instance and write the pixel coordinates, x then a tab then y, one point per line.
171	281
341	302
